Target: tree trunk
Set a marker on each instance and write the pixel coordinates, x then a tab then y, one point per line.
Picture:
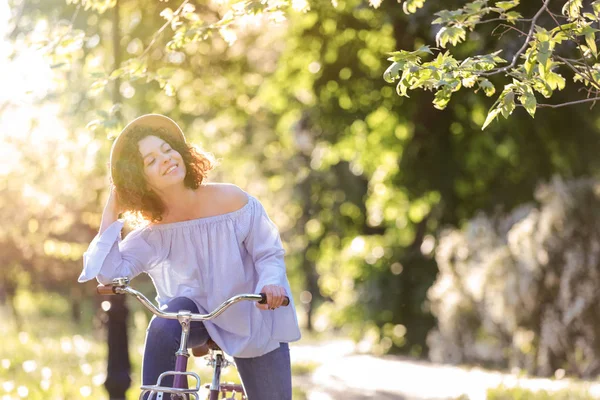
308	266
118	371
119	367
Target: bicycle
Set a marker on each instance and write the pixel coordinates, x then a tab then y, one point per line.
217	359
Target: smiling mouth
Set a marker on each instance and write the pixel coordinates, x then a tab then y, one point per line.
168	171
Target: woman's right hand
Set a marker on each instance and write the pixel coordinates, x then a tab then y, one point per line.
112	209
113	205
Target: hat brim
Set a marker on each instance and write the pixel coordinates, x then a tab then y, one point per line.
154	121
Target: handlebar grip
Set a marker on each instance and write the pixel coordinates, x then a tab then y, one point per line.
105	289
286	300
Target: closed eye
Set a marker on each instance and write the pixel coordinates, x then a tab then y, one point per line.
166	150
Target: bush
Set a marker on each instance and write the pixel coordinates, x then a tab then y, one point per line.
521	290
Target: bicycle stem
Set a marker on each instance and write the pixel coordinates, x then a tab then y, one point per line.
216	381
182	354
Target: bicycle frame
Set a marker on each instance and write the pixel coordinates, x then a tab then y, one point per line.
180	389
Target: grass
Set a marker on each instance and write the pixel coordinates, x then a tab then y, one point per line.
504	393
52	358
304	368
49	357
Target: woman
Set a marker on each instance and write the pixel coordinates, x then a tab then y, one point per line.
204	243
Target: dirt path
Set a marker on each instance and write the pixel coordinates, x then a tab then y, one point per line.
343	374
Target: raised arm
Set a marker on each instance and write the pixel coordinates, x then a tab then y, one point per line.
108	257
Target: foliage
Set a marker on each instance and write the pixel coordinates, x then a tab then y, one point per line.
554	47
519	290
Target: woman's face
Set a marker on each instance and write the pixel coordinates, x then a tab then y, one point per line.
162	165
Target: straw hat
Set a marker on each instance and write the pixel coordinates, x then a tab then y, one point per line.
150	120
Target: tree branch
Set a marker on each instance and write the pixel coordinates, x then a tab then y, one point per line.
514	28
162	28
568	62
502	19
589	76
570	103
527	40
64	35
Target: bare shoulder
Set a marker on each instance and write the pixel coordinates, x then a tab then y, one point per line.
229	197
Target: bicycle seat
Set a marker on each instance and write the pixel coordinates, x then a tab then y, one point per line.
200	351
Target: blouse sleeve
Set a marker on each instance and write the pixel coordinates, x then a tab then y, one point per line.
109	257
264	246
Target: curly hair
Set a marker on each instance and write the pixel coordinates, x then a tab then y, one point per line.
129	179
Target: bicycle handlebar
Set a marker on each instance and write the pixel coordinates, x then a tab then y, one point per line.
121	286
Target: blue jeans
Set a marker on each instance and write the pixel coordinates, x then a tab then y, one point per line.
267	377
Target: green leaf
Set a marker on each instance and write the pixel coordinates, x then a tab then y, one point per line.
513	16
544	53
169	90
117	73
392	72
166	72
442	98
530	60
541	34
507	5
507	105
572	9
402	89
596	7
487	87
446	17
555	81
559	37
452	34
475	6
404	61
423	50
93	125
98	75
98	86
492	115
563	30
590	39
529	102
102	114
411	6
469	81
410	56
167	14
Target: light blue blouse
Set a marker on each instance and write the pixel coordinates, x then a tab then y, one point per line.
208	260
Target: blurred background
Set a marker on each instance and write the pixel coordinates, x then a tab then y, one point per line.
428	259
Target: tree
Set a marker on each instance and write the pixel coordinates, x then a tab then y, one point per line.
553	46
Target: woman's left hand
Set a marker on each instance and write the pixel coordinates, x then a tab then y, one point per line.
275	295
